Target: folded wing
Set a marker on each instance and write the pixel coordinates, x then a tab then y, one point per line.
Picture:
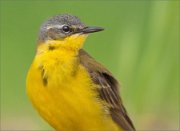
108	90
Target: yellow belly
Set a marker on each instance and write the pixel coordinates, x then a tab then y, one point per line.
68	101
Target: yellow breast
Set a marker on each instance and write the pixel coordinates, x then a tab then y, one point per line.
64	94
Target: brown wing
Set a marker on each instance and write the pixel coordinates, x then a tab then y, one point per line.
108	91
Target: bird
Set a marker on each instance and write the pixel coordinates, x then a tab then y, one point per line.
68	87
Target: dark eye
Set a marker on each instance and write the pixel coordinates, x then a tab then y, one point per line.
66	29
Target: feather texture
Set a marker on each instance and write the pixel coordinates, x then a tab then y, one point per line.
108	90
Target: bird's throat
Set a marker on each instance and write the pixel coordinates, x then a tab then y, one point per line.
71	43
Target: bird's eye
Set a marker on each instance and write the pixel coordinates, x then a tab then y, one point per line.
66	29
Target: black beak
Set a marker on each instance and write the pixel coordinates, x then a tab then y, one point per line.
87	30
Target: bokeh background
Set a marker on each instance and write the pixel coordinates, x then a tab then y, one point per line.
140	45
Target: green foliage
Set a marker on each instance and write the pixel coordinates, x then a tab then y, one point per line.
140	45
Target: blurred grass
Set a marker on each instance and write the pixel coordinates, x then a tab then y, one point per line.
140	46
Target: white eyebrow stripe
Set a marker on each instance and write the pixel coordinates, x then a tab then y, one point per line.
54	26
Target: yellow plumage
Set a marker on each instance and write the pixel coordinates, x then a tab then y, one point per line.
69	100
70	90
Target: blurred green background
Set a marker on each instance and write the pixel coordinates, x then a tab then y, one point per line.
140	45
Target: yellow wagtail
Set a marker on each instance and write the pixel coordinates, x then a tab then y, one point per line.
70	90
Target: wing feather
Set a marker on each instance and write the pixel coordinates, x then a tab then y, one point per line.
108	91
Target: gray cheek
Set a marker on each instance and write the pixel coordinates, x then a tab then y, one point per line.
55	34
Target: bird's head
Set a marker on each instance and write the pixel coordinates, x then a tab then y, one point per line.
64	31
